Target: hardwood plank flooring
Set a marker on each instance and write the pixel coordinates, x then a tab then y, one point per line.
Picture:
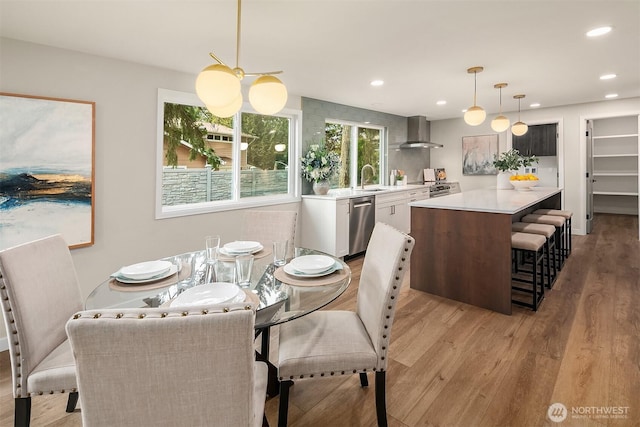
452	364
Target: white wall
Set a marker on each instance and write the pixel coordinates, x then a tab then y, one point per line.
571	147
125	151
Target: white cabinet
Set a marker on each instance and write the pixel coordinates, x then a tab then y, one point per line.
392	209
324	225
615	165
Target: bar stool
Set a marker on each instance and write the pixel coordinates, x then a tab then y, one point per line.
567	227
559	223
549	232
528	244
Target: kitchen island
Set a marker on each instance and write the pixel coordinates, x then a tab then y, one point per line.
463	243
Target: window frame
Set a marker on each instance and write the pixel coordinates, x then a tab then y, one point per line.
236	202
354	173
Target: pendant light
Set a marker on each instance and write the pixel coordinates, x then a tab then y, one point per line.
519	128
475	115
218	86
500	123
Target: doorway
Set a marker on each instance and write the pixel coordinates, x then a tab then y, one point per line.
612	178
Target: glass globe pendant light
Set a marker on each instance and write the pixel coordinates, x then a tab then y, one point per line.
519	128
500	123
475	115
218	86
267	95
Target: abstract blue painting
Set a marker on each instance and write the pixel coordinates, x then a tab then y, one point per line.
46	169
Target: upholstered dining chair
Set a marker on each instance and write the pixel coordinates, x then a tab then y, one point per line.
328	343
175	366
267	227
39	292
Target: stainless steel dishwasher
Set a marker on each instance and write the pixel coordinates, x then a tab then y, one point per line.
362	219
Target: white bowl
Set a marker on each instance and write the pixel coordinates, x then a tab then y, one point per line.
523	185
209	293
312	264
145	270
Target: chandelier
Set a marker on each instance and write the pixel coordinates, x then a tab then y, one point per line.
218	85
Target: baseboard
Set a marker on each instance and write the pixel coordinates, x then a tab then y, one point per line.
4	344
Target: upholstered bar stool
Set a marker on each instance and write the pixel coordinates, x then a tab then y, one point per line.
528	244
549	232
559	223
567	227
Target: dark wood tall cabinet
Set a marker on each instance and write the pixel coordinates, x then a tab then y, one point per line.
540	140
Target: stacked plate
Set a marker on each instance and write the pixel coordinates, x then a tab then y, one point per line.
311	266
241	247
145	272
210	293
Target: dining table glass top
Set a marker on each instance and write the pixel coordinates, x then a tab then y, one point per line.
277	298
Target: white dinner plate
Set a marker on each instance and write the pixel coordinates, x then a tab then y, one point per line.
312	264
210	293
226	252
289	269
145	270
241	246
173	269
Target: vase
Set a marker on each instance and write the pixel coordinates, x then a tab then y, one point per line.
503	182
321	187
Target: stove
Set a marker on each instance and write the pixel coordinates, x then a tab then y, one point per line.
438	188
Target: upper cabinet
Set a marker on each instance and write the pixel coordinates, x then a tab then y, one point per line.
540	140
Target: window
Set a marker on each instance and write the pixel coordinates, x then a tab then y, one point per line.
358	145
207	163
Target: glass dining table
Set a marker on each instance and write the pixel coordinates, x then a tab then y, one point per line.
277	296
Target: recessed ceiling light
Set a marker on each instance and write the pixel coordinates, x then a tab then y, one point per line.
534	105
611	95
441	102
598	31
607	76
377	82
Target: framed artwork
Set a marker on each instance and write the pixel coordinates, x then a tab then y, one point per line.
478	154
46	169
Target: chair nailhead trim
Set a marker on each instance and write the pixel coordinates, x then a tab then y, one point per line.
119	315
185	313
142	316
76	316
205	311
226	309
97	315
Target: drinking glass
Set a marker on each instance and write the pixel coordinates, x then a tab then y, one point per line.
212	244
280	252
225	271
244	264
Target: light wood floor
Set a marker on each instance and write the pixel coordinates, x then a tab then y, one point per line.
452	364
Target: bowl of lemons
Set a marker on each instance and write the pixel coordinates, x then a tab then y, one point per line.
524	182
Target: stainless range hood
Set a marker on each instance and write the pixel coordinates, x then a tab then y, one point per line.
418	134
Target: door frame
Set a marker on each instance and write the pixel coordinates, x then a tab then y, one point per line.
583	151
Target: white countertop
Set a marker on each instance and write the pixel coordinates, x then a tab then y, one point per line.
348	193
489	200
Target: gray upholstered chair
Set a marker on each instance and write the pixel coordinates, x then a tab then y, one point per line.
328	343
269	226
39	291
176	366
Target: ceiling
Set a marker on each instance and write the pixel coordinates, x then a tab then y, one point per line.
331	50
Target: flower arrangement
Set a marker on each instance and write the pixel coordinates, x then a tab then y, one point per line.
319	164
512	161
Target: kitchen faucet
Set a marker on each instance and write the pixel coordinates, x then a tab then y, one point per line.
362	175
